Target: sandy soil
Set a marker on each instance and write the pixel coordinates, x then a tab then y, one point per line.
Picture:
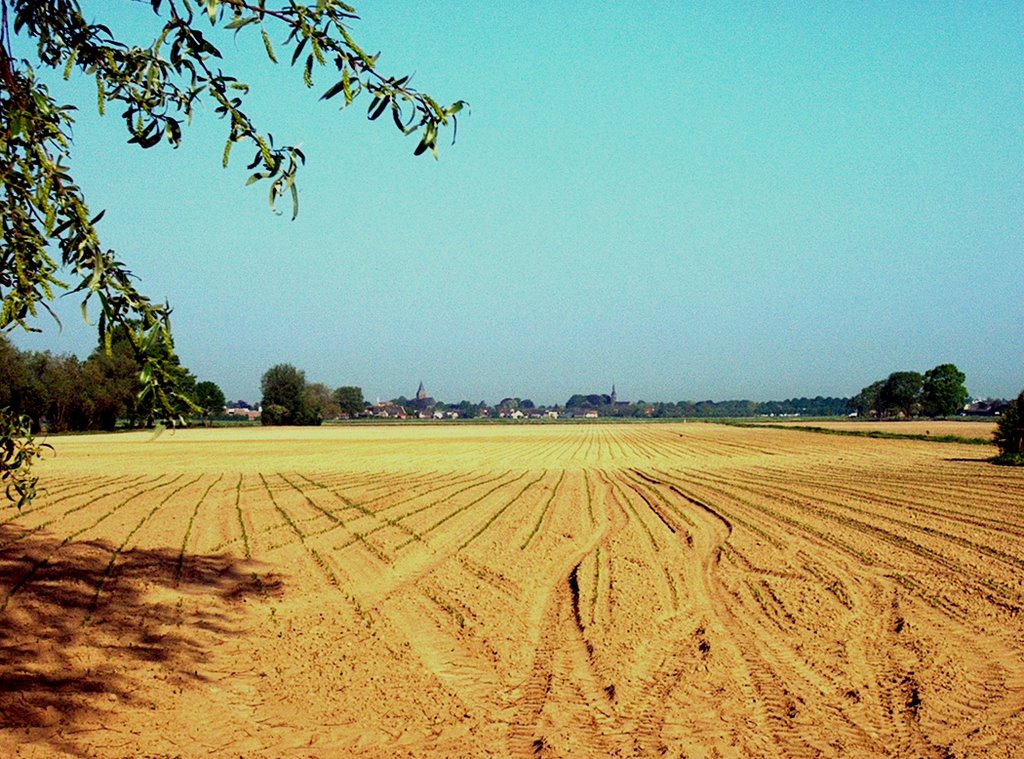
596	590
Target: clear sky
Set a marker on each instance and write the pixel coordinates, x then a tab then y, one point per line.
689	200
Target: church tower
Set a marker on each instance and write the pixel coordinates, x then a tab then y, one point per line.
421	394
614	396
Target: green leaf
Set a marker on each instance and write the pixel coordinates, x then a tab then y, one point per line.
298	49
240	22
333	90
376	109
267	45
346	82
173	131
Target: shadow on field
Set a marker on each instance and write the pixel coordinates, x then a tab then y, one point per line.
81	638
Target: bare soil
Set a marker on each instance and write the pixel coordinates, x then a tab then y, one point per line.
552	590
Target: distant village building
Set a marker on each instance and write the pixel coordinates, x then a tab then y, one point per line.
593	406
987	407
422	402
243	413
387	411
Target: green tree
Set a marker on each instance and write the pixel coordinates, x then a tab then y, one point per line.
126	375
47	231
14	377
273	415
1009	434
901	394
115	374
865	403
318	404
943	391
73	396
350	400
210	398
283	385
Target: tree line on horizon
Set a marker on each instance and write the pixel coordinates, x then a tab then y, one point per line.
938	392
603	404
288	399
63	393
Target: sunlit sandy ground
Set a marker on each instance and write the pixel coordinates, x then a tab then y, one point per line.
563	590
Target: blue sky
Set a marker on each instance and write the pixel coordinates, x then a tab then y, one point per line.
691	201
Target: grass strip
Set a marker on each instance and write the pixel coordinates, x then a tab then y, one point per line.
878	434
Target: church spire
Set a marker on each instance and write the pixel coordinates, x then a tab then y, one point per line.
420	392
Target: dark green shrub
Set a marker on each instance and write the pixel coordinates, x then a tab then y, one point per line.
1009	434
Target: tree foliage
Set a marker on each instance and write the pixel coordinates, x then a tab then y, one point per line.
938	392
319	403
943	392
209	398
49	235
349	400
63	394
865	403
283	387
1009	434
901	394
18	448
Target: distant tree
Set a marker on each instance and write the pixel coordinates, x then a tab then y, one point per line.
1009	434
116	374
127	375
14	377
319	404
274	415
901	393
209	398
350	400
943	392
283	385
66	394
468	409
866	402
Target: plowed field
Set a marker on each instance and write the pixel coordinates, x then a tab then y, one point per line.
537	590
